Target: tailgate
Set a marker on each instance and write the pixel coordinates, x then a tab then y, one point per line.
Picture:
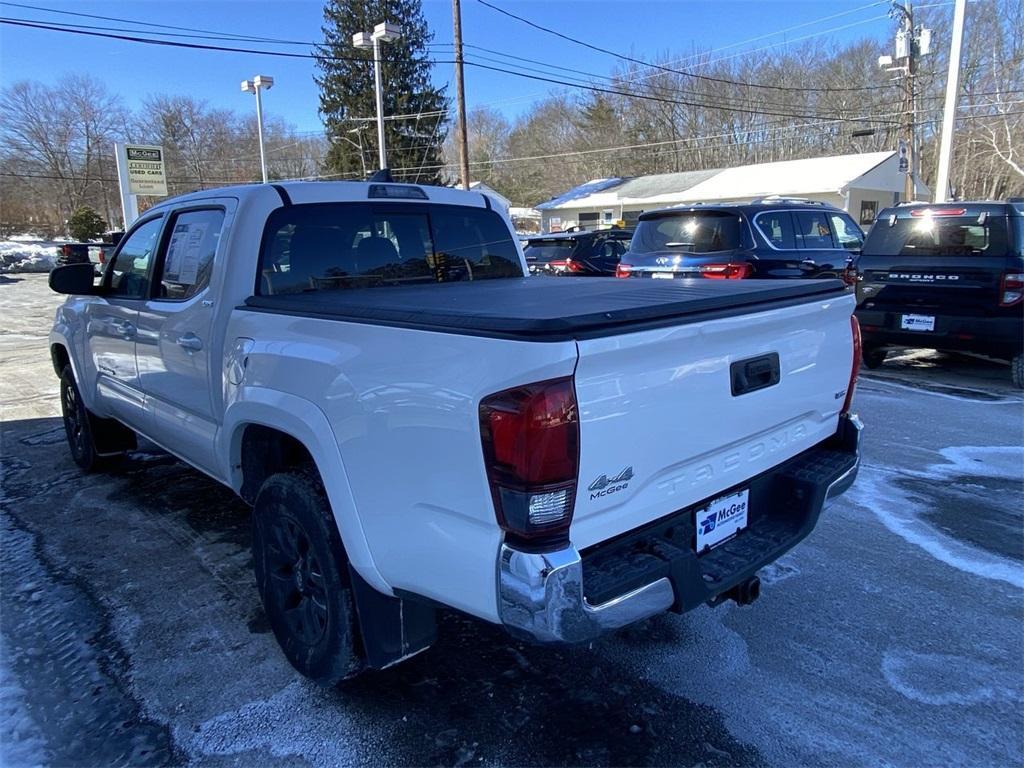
660	427
938	283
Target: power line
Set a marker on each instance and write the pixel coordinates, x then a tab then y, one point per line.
709	78
614	80
222	35
179	44
693	57
648	97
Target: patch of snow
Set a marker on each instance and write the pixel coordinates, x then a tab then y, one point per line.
897	512
300	720
940	679
17	255
19	744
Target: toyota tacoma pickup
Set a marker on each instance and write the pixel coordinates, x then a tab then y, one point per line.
419	425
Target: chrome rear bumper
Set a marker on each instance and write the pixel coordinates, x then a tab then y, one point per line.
541	596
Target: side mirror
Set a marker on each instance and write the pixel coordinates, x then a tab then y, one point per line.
75	279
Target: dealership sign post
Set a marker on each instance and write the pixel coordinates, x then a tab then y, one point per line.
140	171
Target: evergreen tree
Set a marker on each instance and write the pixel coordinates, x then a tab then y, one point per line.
86	224
347	91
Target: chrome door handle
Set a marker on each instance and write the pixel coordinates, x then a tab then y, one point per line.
191	342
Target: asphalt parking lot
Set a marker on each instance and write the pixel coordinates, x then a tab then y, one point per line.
131	631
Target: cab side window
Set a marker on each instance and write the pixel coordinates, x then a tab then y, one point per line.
128	274
187	264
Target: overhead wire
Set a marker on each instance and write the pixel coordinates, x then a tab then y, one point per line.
654	65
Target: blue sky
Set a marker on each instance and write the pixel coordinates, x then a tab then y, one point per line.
643	29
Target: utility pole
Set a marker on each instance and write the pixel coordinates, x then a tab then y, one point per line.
460	96
905	48
949	110
911	44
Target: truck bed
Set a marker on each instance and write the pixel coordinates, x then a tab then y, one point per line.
547	308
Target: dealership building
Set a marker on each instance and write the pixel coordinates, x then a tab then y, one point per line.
861	184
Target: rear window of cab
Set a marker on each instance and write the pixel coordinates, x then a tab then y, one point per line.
333	246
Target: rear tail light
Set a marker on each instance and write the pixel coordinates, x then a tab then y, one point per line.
857	354
1011	289
102	255
623	270
530	438
726	271
65	251
574	266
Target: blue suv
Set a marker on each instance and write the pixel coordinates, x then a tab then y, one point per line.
766	238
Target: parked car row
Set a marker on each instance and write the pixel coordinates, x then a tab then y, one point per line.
937	276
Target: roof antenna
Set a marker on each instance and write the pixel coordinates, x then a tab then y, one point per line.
383	175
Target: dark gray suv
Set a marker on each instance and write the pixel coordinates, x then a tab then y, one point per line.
768	238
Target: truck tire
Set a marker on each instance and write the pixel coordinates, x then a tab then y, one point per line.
873	357
302	576
1017	370
95	443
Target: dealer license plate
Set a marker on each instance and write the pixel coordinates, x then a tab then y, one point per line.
722	519
917	322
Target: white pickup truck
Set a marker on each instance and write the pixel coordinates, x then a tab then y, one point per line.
418	424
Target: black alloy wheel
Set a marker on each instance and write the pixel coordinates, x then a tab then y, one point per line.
296	585
303	578
76	423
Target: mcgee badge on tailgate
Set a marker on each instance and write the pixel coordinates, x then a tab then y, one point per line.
605	486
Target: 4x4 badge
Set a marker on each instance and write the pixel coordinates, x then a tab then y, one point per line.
604	481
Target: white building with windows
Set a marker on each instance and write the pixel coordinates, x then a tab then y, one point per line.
861	184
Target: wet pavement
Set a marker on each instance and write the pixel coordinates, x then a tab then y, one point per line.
131	631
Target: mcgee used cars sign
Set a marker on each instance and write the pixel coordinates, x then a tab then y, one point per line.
146	170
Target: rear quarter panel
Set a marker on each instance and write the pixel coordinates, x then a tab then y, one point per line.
403	407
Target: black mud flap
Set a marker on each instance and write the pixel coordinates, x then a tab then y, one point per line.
391	628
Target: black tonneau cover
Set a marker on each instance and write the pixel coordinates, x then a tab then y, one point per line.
547	308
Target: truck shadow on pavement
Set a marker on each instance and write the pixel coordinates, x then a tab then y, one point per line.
477	697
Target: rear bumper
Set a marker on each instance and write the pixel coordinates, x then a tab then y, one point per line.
992	335
568	596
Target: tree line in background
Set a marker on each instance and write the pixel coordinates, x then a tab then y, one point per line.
695	113
57	150
569	133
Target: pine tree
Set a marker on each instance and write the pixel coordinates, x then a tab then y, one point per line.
347	91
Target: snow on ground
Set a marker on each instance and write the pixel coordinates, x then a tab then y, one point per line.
21	745
17	254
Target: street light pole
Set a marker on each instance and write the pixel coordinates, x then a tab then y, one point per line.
254	86
949	111
384	32
379	92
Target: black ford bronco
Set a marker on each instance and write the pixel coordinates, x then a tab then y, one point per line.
946	276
